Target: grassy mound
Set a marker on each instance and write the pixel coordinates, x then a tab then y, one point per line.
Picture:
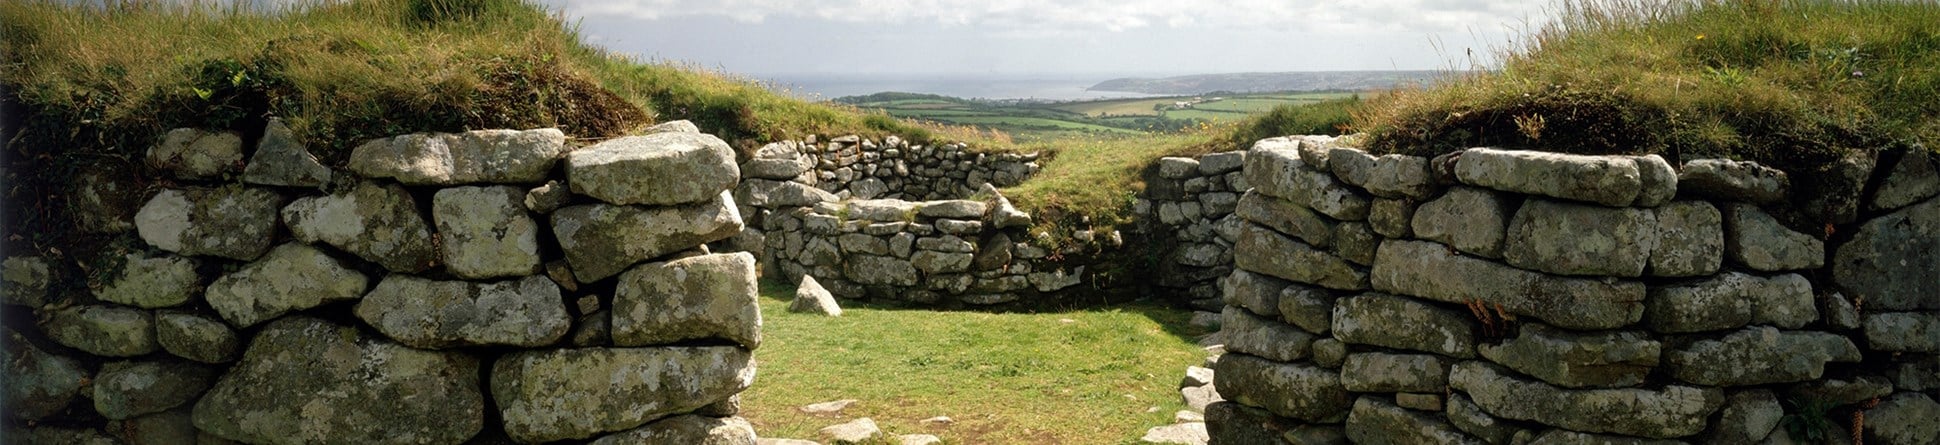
114	78
1789	83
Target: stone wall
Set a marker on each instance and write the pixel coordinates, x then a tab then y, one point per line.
933	253
1494	296
482	287
1186	216
853	167
906	223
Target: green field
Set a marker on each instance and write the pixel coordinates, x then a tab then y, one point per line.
1101	375
1032	122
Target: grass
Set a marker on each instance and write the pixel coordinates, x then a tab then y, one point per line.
88	85
1098	177
1789	83
1094	376
340	72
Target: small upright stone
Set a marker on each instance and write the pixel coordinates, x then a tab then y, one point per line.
194	154
675	126
811	298
1690	240
281	160
656	169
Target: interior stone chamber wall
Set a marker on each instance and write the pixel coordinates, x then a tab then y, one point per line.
443	288
914	224
1496	296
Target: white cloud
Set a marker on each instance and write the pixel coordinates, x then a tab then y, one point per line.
1038	17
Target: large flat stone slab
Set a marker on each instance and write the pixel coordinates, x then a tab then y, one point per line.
1472	220
432	314
1250	334
379	223
292	277
1274	168
1268	252
1432	271
230	222
1301	391
656	169
481	156
1758	356
1883	262
1605	359
1730	300
1672	411
308	381
104	330
1566	238
1286	217
1386	176
1616	181
601	240
694	298
564	394
1728	180
1375	420
1404	323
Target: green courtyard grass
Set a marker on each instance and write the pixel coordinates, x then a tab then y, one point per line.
1093	376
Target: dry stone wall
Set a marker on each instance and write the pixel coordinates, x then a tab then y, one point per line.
853	167
481	287
905	223
1186	215
1497	296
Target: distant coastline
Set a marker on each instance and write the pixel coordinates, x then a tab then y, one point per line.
1044	87
1269	82
1080	87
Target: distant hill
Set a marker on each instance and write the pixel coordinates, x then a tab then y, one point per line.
1268	82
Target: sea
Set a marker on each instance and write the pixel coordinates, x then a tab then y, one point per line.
1039	87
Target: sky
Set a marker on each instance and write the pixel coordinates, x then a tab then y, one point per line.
1069	37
